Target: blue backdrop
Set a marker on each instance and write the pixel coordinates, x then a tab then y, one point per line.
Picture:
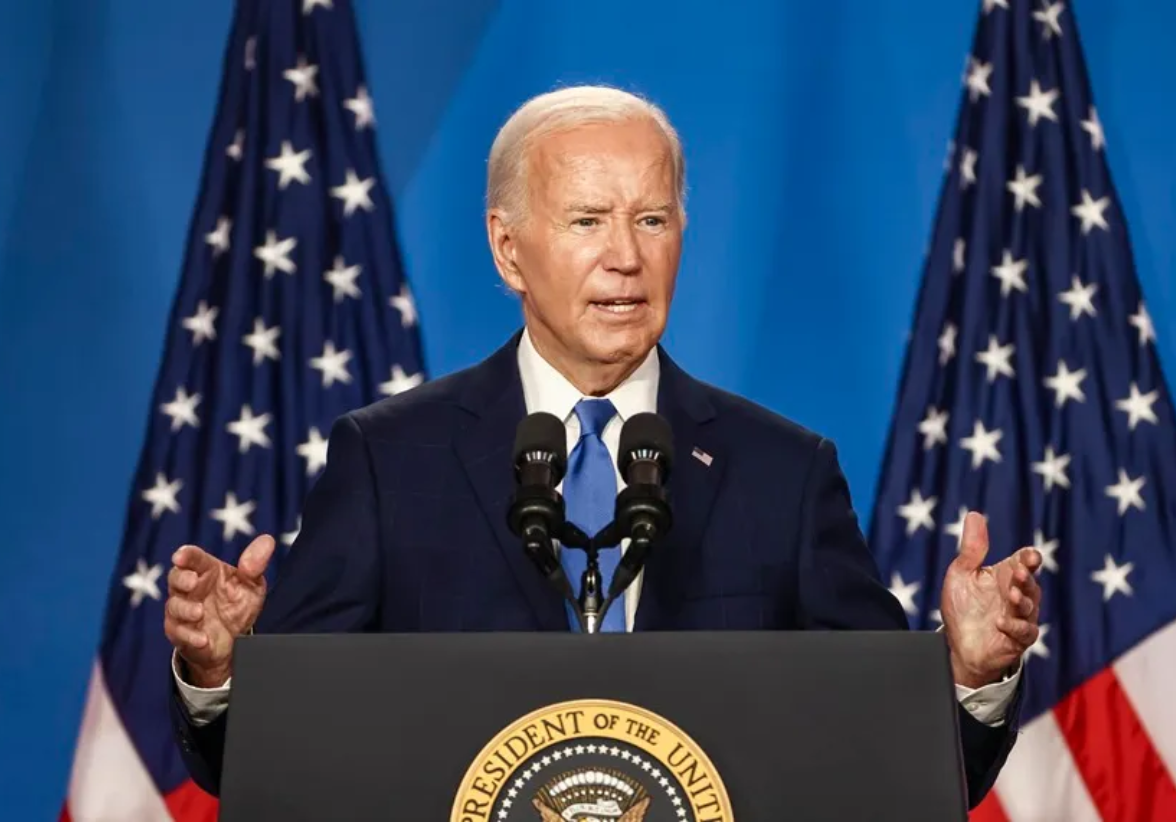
815	135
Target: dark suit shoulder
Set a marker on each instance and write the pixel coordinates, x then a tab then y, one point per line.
751	423
438	409
433	407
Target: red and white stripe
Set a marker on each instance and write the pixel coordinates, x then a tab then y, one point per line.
109	782
1106	753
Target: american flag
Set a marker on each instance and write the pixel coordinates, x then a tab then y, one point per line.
1032	393
292	309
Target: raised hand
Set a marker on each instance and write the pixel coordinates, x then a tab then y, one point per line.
989	612
210	603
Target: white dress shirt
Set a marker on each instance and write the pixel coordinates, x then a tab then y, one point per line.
545	389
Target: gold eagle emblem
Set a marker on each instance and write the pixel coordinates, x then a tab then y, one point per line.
592	795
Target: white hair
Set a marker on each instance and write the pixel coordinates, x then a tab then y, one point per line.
565	108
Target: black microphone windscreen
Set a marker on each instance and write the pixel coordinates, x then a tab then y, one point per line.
646	432
542	432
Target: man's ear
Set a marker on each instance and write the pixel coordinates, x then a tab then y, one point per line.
504	248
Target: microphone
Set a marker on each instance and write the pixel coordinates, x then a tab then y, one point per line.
643	508
536	513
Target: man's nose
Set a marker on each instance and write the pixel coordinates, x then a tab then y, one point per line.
623	253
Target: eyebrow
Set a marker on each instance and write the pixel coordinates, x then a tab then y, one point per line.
596	208
588	208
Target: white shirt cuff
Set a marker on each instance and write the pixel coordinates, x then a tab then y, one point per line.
203	704
990	703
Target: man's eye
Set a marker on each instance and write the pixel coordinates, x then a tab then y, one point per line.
653	221
586	222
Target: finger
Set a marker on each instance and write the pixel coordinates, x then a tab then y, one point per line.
1032	559
181	581
974	543
1028	587
1022	604
256	557
1028	590
1021	631
184	637
183	610
193	558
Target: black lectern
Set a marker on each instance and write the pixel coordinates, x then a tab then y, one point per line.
654	727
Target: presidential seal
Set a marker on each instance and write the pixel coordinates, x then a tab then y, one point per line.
591	760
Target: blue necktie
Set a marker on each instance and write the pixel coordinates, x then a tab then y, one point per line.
590	496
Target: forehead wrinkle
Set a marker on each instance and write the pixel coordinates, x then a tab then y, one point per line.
553	165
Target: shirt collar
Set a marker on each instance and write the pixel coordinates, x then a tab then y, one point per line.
545	389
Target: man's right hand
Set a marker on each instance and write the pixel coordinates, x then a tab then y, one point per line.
210	603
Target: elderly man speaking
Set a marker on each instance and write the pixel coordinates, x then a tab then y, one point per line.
405	529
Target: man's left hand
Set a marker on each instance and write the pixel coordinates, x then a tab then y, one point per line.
989	612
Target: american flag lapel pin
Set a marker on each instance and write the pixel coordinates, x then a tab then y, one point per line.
702	456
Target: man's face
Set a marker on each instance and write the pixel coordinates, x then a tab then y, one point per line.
596	256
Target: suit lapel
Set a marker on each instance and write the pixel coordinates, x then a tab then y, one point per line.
695	477
495	399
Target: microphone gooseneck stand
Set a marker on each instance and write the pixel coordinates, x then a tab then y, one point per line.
642	515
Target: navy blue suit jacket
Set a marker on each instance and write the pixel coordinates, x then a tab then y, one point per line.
406	531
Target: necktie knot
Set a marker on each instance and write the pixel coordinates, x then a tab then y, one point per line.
594	415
